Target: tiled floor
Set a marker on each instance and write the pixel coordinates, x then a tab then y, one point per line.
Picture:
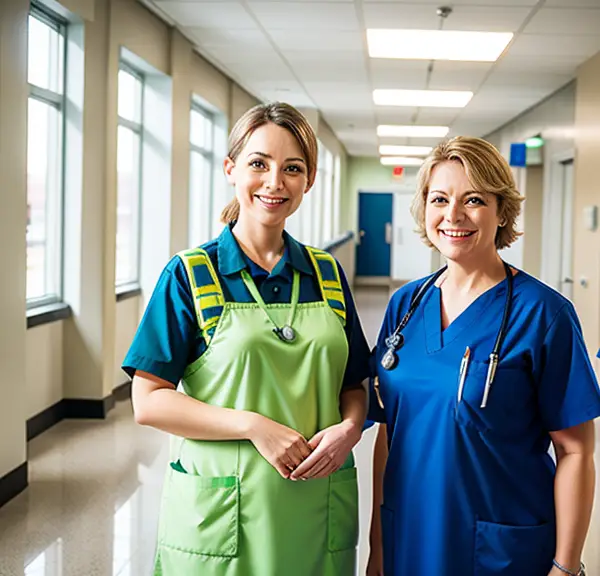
91	507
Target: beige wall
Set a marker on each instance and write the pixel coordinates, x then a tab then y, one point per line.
587	193
44	371
13	220
533	215
128	316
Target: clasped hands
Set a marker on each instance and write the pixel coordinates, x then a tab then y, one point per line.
296	458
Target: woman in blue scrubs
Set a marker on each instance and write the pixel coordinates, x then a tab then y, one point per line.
463	480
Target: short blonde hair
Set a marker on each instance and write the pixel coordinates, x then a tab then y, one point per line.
487	171
280	114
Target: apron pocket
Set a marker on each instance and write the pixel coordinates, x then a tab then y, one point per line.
502	550
343	510
200	515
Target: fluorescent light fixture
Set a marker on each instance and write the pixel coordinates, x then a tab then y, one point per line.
386	150
437	44
535	142
412	131
401	161
422	98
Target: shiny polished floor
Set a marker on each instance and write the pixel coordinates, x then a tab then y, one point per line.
92	505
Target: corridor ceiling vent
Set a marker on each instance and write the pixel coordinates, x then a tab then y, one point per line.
390	150
437	44
422	98
411	131
401	161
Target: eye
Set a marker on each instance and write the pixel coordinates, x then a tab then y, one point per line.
295	168
257	164
476	201
437	200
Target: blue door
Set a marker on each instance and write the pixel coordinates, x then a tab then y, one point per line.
373	252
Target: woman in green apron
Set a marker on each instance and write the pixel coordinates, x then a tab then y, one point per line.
263	335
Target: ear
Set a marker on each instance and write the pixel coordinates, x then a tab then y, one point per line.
228	168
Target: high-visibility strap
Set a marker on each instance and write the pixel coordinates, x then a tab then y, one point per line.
329	280
206	290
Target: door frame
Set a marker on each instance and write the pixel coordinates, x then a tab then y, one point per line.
552	213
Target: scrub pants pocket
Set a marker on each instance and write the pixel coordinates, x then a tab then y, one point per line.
502	550
200	515
343	510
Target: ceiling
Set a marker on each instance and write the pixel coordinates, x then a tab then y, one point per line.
313	53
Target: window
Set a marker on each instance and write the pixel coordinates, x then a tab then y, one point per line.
129	169
202	128
45	157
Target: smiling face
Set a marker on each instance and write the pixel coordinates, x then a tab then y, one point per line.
270	176
460	222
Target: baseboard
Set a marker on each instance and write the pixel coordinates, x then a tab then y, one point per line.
13	483
45	419
76	408
372	280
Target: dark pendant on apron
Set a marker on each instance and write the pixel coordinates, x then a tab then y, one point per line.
285	333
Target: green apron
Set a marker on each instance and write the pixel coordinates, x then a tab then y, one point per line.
226	511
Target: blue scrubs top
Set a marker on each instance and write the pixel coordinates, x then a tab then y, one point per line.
470	490
168	337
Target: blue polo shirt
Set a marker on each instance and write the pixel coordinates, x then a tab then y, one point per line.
168	338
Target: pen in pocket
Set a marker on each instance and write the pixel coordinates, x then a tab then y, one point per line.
464	364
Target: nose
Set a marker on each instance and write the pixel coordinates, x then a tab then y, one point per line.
274	180
454	212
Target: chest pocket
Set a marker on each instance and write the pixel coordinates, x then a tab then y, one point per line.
511	404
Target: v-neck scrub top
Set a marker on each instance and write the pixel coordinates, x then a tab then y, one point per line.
470	490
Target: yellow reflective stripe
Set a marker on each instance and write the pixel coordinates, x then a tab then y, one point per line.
330	289
207	296
335	295
210	301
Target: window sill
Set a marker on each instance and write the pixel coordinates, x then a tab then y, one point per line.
47	314
128	291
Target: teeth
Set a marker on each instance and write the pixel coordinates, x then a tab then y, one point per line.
271	200
456	234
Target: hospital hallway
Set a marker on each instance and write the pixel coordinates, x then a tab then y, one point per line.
92	503
91	507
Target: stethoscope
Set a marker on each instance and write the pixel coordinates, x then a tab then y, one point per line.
396	340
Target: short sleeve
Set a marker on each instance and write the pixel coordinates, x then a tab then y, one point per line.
568	392
357	367
165	337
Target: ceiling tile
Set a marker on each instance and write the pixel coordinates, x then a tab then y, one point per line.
305	15
391	73
354	72
312	40
458	75
436	116
418	16
493	3
226	37
230	15
573	3
565	21
399	115
548	46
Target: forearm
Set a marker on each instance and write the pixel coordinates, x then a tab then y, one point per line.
181	415
353	405
574	495
380	455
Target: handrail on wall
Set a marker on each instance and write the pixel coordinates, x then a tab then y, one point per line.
334	244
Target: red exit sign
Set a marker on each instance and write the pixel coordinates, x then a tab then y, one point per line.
397	172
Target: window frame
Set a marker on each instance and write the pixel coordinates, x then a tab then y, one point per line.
209	156
58	102
123	289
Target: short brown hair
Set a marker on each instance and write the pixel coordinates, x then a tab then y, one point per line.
280	114
487	171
